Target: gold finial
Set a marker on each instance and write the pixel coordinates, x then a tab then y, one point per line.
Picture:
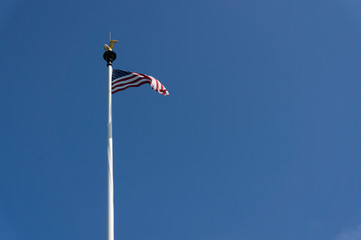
111	45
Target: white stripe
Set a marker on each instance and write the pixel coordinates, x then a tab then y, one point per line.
156	82
126	76
132	84
127	81
153	83
161	87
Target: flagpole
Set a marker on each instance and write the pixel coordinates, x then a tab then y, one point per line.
110	56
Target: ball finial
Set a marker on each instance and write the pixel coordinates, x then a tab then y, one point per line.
109	56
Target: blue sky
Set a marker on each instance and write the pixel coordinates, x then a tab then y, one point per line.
259	139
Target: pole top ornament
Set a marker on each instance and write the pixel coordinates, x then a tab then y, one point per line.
109	55
111	45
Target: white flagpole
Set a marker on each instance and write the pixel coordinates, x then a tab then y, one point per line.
110	56
110	160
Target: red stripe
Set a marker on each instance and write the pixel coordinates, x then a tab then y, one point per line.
157	85
161	85
124	79
129	87
124	84
143	75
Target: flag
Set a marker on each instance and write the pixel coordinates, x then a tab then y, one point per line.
122	80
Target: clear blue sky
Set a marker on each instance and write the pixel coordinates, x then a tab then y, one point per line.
260	138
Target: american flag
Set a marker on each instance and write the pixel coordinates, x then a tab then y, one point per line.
122	80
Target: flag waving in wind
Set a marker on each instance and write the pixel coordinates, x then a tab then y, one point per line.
122	80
